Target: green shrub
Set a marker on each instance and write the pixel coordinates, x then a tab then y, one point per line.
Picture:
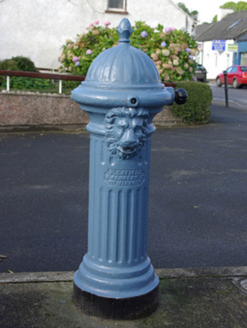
7	64
26	83
196	109
171	50
24	64
70	85
20	63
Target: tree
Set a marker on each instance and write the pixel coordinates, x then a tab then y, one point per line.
229	5
183	7
239	6
215	19
193	13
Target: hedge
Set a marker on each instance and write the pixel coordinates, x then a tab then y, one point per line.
197	108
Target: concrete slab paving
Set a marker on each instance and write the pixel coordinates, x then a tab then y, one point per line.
200	298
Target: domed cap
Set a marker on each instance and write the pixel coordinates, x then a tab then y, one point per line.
123	65
122	76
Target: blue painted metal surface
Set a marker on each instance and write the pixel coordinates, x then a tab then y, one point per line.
121	93
242	49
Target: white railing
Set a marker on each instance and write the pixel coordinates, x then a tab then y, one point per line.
52	76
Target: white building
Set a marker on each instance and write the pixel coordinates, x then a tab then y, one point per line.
214	40
37	29
215	61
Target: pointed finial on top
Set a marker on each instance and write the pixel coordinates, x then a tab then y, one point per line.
124	30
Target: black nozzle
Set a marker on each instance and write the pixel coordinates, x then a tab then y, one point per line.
181	96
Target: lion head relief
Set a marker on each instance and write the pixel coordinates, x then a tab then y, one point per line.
126	131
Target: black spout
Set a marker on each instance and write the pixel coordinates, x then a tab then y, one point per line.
181	96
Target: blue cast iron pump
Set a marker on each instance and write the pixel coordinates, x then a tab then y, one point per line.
122	93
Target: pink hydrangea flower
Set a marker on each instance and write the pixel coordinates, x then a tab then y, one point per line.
168	29
91	24
154	56
107	23
77	63
96	22
75	59
89	52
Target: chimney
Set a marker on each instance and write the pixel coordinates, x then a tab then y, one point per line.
223	12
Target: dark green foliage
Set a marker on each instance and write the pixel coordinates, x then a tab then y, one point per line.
25	64
239	6
26	83
20	63
68	86
229	5
196	110
193	13
7	64
183	7
215	19
236	6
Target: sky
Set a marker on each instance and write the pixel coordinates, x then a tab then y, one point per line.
207	9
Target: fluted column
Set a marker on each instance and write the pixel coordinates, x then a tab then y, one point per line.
117	231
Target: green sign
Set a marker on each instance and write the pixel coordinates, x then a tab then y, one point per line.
233	47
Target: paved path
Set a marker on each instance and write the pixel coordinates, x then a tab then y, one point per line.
198	189
188	298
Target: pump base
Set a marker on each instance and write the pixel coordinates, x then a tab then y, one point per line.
114	308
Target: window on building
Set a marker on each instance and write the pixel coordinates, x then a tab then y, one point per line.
216	60
243	58
227	60
187	23
234	24
117	4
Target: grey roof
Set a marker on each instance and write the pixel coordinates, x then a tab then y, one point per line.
230	27
242	37
200	29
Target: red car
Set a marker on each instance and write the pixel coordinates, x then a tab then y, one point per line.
236	75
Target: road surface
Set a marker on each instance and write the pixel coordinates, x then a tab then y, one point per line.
236	97
197	205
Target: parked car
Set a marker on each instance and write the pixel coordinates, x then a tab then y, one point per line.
236	76
201	73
